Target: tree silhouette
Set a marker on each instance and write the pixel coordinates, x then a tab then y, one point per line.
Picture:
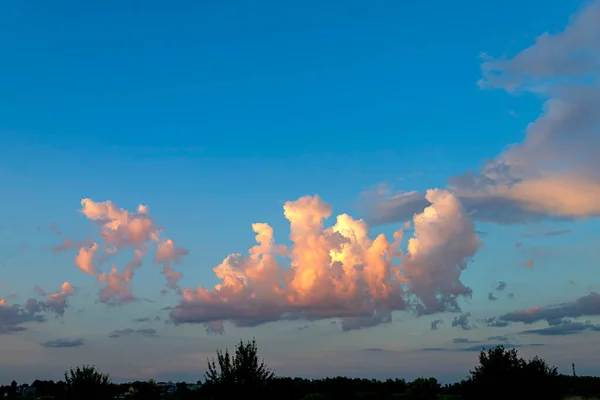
240	373
502	374
87	383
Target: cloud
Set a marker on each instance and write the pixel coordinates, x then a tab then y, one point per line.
340	272
554	173
491	296
214	328
13	317
479	347
494	322
492	345
462	321
166	254
503	338
465	340
588	305
528	264
69	244
140	320
39	291
375	350
147	332
501	286
563	329
63	342
547	233
121	229
435	323
56	302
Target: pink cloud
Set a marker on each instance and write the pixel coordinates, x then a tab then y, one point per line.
120	229
340	271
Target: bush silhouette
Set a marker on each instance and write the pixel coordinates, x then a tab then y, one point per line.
241	373
85	383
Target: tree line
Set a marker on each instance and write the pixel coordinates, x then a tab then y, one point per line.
500	374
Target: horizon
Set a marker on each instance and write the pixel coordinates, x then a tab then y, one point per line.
369	191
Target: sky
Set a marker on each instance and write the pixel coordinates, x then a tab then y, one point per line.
369	189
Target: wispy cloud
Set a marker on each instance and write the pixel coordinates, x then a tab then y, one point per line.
133	332
564	329
546	233
64	342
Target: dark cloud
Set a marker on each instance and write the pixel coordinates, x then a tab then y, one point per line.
13	317
435	323
132	332
511	296
584	306
399	207
64	342
494	322
480	347
492	345
141	320
491	296
462	321
501	286
564	329
352	323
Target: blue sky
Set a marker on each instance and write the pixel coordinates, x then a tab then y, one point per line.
215	115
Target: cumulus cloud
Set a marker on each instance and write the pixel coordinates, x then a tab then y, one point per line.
340	272
491	296
555	171
63	342
121	229
501	286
